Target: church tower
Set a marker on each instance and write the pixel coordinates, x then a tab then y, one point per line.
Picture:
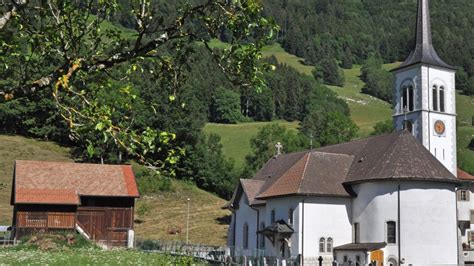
424	95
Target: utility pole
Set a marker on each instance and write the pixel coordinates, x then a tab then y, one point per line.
187	224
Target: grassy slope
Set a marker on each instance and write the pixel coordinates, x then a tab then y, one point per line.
235	139
166	209
366	110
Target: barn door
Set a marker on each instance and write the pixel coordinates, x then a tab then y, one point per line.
98	228
93	222
377	256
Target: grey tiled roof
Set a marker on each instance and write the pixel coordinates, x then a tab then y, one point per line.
326	171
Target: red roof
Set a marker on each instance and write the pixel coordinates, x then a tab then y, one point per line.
464	175
37	182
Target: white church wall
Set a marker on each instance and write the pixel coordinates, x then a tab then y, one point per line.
325	217
244	215
282	206
428	219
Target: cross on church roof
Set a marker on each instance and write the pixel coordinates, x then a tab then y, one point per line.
424	51
278	147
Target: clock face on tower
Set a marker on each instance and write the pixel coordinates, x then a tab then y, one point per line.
439	127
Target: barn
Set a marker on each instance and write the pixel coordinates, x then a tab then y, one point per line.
95	200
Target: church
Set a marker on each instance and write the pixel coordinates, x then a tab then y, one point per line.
389	200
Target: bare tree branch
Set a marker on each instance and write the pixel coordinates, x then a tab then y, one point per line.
16	5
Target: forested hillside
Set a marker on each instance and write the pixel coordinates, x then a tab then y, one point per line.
351	30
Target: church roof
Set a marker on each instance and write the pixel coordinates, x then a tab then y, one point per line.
325	171
315	173
396	156
463	175
424	51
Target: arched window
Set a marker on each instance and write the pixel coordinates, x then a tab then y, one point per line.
408	99
329	245
262	237
441	99
272	216
391	232
322	244
435	98
246	236
290	216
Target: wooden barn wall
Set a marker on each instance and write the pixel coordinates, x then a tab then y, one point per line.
106	220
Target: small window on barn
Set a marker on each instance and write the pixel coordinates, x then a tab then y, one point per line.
246	236
290	216
391	232
322	244
329	245
272	216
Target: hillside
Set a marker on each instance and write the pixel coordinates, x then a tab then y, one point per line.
235	139
366	111
164	211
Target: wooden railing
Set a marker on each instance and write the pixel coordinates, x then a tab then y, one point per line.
54	220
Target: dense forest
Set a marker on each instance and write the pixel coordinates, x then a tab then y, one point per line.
329	34
352	31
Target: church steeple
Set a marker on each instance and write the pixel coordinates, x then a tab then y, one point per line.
424	51
425	95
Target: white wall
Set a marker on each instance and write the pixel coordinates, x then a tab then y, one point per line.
428	219
282	207
325	217
243	215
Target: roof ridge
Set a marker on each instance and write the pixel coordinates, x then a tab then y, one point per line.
333	153
304	172
284	175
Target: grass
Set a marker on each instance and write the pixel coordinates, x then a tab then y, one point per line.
235	139
366	110
165	210
12	256
286	58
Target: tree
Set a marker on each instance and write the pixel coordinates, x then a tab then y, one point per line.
328	128
329	73
206	165
226	107
382	128
346	62
263	146
62	47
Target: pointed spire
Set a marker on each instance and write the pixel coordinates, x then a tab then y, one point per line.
423	25
424	51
